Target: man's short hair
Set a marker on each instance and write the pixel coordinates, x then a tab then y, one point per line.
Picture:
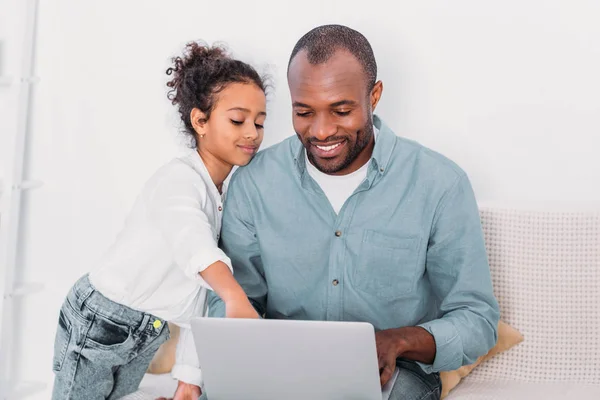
322	42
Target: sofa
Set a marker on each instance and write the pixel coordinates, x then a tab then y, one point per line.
545	269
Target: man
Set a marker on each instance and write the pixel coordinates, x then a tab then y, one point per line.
348	222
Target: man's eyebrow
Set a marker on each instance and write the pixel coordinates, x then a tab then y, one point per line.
343	103
298	104
333	105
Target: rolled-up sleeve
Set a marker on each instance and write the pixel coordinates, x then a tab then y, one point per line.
458	269
187	367
176	209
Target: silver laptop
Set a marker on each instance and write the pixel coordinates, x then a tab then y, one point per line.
255	359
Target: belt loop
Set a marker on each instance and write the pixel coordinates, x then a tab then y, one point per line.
83	296
144	323
87	291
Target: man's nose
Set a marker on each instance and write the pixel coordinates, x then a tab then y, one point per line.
323	128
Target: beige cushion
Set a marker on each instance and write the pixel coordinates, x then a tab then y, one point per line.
507	338
164	359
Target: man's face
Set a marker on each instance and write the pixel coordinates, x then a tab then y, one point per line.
333	111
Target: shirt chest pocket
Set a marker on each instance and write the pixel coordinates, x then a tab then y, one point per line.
387	265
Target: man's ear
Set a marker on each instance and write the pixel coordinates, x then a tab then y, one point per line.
198	119
376	94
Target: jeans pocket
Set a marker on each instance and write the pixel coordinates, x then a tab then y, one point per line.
105	334
61	341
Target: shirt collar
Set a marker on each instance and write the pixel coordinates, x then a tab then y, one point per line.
384	146
200	168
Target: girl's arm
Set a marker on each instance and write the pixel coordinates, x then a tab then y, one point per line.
221	280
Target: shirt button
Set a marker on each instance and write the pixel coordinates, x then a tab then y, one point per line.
335	282
220	208
338	233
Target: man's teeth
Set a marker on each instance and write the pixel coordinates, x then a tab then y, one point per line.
328	148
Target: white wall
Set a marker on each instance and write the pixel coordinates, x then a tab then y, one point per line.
507	89
11	37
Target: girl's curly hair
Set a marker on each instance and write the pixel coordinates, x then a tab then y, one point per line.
199	75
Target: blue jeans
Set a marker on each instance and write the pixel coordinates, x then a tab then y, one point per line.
412	383
102	349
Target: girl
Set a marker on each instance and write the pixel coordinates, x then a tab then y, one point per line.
113	320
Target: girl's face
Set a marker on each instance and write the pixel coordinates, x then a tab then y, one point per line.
234	131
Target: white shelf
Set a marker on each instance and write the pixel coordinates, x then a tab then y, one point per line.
24	289
32	80
5	81
30	184
24	185
24	389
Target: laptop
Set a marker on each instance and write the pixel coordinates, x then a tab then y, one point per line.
261	359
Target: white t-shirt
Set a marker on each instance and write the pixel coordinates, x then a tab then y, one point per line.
169	237
338	188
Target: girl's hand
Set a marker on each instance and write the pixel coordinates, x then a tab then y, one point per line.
185	391
240	309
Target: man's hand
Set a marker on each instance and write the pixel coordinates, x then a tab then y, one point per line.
240	309
413	343
387	353
185	391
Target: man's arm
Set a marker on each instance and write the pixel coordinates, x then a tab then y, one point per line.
239	241
459	273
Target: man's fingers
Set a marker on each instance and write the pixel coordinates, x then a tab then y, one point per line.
381	361
386	374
